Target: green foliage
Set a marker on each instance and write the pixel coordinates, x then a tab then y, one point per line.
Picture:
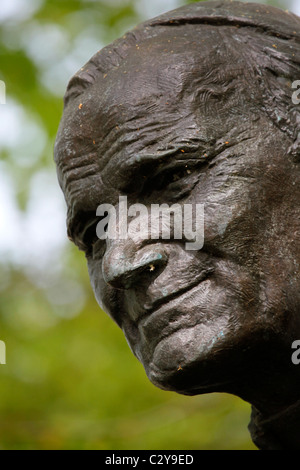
72	383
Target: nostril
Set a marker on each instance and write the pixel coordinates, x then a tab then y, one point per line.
123	271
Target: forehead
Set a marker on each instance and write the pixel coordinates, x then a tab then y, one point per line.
171	91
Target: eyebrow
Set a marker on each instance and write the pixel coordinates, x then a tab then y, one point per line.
80	218
178	153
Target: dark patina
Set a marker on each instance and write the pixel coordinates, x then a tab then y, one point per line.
195	106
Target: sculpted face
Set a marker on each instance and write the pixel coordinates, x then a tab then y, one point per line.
180	120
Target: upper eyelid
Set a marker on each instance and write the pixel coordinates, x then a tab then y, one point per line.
184	165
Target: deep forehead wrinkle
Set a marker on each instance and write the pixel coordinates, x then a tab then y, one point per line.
150	100
155	141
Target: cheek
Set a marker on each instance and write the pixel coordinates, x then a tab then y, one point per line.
235	207
232	225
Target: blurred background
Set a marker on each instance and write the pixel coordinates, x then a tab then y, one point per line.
70	380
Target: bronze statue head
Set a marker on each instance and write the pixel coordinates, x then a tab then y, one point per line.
195	107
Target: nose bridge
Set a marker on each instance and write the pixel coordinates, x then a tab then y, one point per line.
124	261
129	251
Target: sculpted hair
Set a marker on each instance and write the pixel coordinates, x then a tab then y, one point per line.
270	45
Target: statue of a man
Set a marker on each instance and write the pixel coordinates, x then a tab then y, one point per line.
195	107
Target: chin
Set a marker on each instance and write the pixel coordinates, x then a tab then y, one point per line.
194	361
193	344
210	358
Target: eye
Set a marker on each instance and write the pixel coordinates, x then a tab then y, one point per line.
89	237
170	177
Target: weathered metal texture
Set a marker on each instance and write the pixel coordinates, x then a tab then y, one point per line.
195	107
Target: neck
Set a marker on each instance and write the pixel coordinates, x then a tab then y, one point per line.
272	389
278	431
275	418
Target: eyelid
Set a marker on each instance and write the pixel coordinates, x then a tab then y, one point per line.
81	237
185	166
181	172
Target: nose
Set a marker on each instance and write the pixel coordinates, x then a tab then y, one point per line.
123	262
